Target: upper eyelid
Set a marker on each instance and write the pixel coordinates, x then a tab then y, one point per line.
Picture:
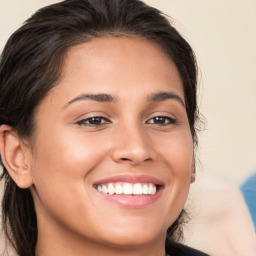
161	113
92	114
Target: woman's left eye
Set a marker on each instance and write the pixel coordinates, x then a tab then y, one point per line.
93	121
161	120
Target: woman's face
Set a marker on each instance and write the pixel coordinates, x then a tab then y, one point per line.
113	153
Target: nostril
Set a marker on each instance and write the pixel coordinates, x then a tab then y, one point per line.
125	159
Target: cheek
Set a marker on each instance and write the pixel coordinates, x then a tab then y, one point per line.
62	164
68	154
182	166
178	157
178	153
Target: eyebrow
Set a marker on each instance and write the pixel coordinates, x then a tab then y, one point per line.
100	97
162	96
103	97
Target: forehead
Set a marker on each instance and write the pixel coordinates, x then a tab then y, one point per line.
118	66
121	60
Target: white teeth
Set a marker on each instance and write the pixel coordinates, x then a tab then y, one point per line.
137	189
145	189
99	188
119	189
127	189
111	189
150	189
104	189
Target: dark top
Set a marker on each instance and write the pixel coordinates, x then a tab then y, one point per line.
182	250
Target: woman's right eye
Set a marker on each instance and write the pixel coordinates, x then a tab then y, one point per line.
93	121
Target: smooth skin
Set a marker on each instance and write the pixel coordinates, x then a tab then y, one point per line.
81	139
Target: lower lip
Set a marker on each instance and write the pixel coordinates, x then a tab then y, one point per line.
131	201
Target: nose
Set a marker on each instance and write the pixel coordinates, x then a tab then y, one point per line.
133	147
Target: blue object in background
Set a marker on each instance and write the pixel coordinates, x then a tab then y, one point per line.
249	192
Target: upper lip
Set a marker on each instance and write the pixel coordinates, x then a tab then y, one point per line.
131	179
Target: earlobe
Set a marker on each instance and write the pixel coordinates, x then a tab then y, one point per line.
15	157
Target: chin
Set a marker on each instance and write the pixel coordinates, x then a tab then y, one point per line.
138	235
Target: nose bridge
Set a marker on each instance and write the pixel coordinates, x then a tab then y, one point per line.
133	144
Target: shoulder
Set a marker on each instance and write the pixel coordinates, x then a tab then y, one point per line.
182	250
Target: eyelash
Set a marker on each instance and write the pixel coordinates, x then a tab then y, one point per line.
97	121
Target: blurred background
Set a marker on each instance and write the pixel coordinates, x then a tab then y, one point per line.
222	34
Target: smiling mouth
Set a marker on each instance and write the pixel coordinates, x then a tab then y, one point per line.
129	191
125	188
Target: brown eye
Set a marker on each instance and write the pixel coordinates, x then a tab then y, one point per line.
161	120
97	120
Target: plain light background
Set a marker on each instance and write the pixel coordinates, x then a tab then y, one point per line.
223	36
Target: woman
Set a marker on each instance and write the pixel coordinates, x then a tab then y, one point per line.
98	111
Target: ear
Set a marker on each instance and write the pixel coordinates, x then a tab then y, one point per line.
193	172
16	156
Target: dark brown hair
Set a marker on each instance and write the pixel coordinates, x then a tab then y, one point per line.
31	65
